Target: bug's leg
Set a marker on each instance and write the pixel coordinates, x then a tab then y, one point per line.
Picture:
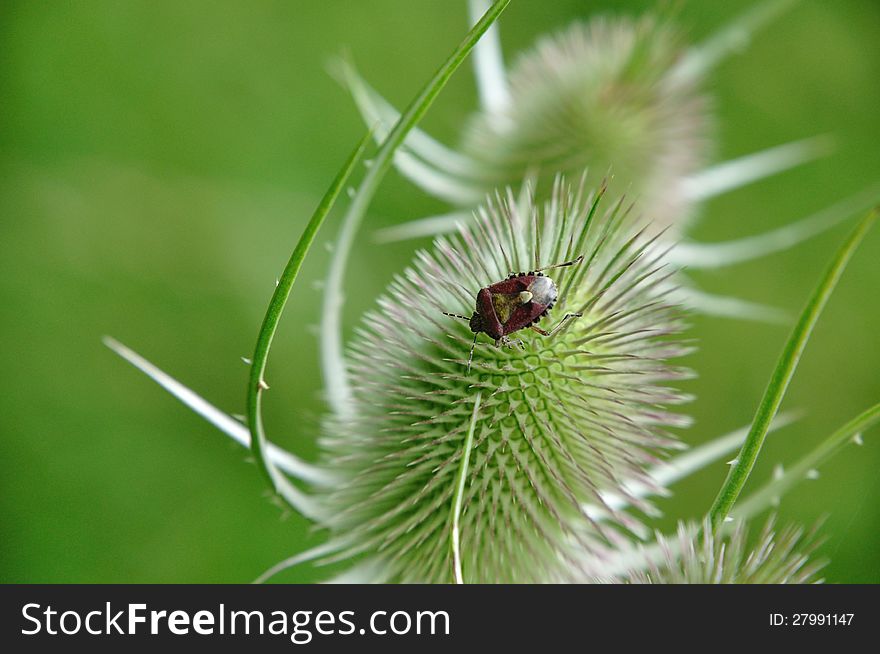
471	355
510	342
474	344
573	262
559	326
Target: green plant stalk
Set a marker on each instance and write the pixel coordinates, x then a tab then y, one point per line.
256	382
763	497
459	493
332	359
779	381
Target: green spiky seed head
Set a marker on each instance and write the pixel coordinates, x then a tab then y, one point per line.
562	420
601	95
697	556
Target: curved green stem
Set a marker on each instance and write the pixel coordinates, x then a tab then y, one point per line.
332	359
256	382
785	367
772	490
459	493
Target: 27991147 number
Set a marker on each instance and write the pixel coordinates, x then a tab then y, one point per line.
811	619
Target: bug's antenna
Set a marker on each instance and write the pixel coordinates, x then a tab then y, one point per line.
455	315
573	262
471	355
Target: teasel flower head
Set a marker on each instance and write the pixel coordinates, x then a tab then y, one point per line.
604	95
554	423
697	556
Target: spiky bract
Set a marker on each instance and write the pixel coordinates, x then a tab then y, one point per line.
562	420
601	95
697	556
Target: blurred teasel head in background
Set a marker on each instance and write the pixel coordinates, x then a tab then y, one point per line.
697	555
604	95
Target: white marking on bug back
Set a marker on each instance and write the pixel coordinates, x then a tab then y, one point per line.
543	291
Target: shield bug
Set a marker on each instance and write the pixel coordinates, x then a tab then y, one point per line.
515	303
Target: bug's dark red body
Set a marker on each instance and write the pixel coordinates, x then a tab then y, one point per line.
513	304
516	303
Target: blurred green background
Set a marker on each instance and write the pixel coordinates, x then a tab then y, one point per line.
158	161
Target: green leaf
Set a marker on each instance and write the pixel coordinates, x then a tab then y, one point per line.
782	375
